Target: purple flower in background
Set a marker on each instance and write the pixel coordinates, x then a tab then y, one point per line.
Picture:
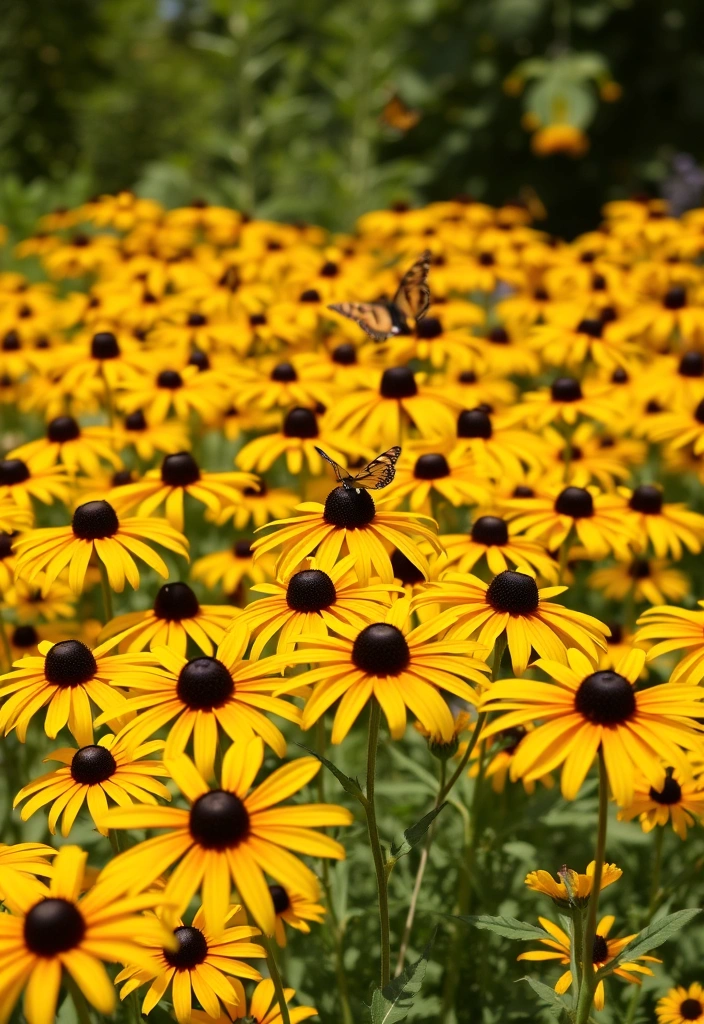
684	185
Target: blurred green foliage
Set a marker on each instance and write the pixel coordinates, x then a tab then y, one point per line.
275	105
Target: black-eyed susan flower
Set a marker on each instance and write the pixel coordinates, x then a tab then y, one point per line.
378	415
583	710
97	528
39	478
259	504
604	950
66	677
422	474
652	580
565	401
28	601
681	1005
176	616
669	527
350	517
302	379
112	768
232	834
580	885
676	629
97	361
209	694
500	754
179	389
201	965
295	910
679	801
498	446
311	602
232	566
167	437
596	520
80	449
52	929
263	1007
513	604
298	440
489	539
403	668
591	457
179	475
571	341
504	353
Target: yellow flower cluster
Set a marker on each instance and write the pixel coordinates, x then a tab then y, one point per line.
391	454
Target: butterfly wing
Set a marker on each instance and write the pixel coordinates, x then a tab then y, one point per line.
379	473
413	295
399	116
341	474
372	317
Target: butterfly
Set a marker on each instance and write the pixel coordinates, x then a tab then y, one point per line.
381	320
399	116
377	474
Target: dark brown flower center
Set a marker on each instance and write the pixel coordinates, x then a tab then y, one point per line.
349	508
429	328
242	549
513	592
69	663
605	698
404	569
575	502
431	467
671	792
600	950
646	498
169	379
176	601
675	298
284	373
219	820
192	949
345	354
490	530
13	471
53	926
136	421
691	1009
95	520
25	636
474	423
691	365
398	382
180	470
310	591
92	765
381	650
62	429
301	423
566	389
279	898
104	346
204	684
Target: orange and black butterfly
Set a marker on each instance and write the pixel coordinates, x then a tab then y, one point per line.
383	320
399	116
377	474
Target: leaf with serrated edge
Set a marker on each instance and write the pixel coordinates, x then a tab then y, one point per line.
414	834
349	785
509	927
650	938
392	1004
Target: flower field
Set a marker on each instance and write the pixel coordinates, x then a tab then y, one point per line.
352	650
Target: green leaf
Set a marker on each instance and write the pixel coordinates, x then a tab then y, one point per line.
650	938
547	995
349	785
509	927
413	835
392	1004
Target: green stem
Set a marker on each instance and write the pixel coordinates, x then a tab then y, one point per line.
79	1000
375	843
107	592
276	978
422	865
449	785
657	869
135	1008
588	986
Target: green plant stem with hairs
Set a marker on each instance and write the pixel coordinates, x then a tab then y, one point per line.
276	978
588	986
375	843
